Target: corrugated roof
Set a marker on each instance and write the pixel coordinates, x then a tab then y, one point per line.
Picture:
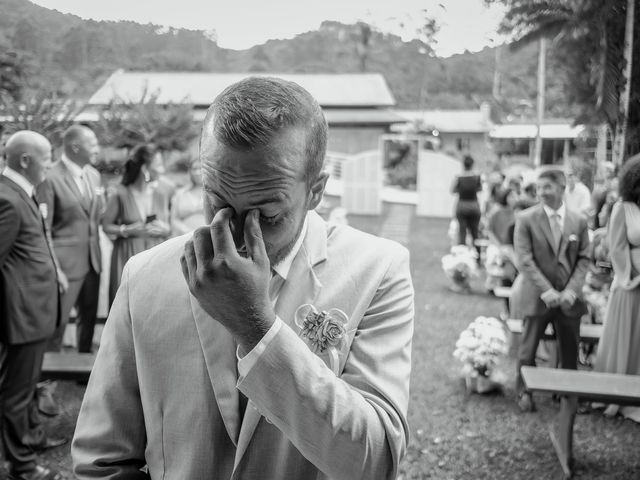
331	90
550	131
463	121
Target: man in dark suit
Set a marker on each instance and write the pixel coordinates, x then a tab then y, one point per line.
551	245
75	203
29	303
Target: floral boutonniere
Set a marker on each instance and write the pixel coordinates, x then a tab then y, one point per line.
322	331
573	238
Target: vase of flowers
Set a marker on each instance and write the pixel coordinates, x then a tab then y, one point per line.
480	348
460	266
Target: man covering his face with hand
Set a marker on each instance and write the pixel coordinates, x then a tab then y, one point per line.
266	345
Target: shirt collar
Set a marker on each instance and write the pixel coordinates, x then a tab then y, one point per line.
19	179
74	168
283	267
560	211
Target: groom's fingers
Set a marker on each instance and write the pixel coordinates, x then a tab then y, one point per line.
221	236
256	248
203	246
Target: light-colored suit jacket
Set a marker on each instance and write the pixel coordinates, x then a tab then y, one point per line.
542	266
164	388
72	220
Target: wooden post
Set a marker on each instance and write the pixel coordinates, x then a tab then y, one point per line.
542	57
620	141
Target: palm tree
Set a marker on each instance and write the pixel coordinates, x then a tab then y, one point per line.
596	31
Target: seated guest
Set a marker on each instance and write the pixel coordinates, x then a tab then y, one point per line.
136	214
187	208
619	348
501	217
29	299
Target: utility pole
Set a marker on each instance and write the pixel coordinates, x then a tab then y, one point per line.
620	141
542	59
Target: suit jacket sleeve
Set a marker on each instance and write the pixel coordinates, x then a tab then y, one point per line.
110	440
576	282
9	226
351	426
522	242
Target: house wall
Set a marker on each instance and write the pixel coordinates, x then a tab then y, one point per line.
352	140
475	144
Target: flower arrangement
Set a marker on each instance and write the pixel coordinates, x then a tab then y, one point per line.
460	266
480	347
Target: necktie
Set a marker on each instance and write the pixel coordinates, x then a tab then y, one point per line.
556	229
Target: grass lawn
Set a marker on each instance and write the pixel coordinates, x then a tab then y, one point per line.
455	435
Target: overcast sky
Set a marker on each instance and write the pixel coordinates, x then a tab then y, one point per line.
464	24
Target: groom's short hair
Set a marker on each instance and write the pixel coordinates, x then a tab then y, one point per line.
251	112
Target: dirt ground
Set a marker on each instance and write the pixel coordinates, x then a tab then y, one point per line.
455	435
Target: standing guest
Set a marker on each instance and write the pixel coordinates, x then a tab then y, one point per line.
466	186
213	346
75	203
136	214
29	297
600	193
187	206
577	196
619	348
552	256
501	217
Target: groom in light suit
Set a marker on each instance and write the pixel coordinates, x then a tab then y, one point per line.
551	245
204	370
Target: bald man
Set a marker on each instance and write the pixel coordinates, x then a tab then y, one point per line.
29	303
75	205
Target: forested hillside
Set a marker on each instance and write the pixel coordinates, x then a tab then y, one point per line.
74	56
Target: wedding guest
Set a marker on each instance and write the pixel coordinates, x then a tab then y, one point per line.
213	364
29	300
187	207
619	348
577	196
136	214
466	186
552	256
600	193
75	203
502	217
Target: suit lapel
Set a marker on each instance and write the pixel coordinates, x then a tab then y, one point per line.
543	221
23	195
67	177
302	287
570	226
219	349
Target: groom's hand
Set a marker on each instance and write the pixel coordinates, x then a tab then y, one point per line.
232	289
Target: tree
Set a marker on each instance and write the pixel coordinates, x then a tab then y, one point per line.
13	73
125	124
590	34
42	111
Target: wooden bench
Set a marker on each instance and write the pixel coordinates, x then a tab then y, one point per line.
67	365
572	385
589	333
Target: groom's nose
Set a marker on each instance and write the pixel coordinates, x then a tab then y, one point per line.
237	228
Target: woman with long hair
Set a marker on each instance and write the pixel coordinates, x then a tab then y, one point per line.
137	215
619	348
187	208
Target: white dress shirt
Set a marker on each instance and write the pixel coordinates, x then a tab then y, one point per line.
20	180
561	212
77	173
279	276
578	200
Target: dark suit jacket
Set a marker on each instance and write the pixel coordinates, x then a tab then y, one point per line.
542	267
73	221
28	283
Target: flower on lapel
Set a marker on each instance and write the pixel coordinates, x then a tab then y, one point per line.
44	210
321	330
573	238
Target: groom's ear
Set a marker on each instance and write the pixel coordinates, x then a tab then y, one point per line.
317	190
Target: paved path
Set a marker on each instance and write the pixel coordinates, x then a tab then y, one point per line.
397	224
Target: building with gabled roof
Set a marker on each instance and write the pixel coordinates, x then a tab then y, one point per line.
358	107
